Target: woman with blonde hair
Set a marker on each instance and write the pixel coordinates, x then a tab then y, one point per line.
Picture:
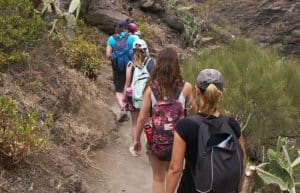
137	73
165	85
204	140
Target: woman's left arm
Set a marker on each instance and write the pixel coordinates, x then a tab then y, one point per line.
176	164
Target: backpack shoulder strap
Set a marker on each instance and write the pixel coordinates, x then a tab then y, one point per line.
225	119
117	37
179	89
153	98
153	88
146	61
197	119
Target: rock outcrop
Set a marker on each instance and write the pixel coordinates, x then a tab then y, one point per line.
174	22
154	6
103	14
269	22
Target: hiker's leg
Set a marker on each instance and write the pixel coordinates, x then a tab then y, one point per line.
134	116
119	81
119	97
159	170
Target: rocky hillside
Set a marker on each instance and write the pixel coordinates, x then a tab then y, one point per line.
269	22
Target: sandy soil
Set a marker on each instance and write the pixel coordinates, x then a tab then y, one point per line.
120	172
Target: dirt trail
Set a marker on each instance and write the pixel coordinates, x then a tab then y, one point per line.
121	172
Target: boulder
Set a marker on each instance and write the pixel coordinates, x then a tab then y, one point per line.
153	6
84	7
104	19
103	14
174	22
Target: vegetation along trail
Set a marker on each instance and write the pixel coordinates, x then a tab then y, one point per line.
121	171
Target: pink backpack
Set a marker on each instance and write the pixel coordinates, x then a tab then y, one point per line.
165	114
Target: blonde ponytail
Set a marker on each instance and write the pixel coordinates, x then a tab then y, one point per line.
211	99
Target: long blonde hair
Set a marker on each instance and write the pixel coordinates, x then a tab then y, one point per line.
211	97
138	57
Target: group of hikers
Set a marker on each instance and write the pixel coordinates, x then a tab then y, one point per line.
191	149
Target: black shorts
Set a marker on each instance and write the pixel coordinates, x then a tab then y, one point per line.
119	79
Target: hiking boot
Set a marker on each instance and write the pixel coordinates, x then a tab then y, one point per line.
124	117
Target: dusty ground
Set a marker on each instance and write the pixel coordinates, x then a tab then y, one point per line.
119	171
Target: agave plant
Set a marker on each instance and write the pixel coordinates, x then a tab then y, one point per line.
280	168
68	17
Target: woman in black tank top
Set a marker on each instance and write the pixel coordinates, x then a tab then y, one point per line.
209	89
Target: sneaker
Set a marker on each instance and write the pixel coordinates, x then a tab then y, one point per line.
124	117
133	153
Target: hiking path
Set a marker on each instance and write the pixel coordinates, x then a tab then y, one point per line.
119	171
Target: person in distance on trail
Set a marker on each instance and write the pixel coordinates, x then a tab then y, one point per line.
137	73
132	29
167	96
119	52
203	140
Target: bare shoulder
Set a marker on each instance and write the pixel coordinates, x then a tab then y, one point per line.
188	87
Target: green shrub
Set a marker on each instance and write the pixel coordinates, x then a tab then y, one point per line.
81	55
19	28
20	135
147	33
257	87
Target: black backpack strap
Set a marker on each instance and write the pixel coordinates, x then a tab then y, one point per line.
225	119
197	118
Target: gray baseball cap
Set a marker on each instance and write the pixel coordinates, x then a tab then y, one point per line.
210	76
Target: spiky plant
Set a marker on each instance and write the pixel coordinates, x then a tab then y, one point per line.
280	168
68	17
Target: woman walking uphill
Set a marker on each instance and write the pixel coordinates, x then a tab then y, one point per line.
137	73
119	52
166	95
211	144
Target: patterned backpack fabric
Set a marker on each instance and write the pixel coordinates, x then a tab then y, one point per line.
121	54
165	114
139	79
220	156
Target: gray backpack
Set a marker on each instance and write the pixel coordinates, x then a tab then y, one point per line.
140	77
220	156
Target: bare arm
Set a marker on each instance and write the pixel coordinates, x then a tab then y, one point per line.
142	119
108	53
242	143
128	76
176	164
188	91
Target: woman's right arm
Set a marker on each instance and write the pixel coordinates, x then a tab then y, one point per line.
128	76
142	119
176	164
